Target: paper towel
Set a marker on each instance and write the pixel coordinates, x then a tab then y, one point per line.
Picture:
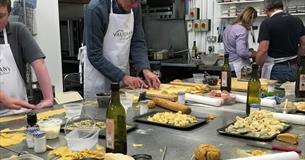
291	118
276	156
205	100
264	101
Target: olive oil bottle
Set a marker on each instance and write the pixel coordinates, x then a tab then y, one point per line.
226	75
116	140
194	50
254	89
300	82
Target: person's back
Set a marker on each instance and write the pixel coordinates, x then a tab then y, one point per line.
284	34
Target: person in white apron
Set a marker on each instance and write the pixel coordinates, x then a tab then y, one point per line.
116	48
12	85
235	40
281	39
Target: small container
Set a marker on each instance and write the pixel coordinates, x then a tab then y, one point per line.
31	118
73	110
143	107
103	99
82	138
181	97
29	136
198	77
40	142
51	127
142	157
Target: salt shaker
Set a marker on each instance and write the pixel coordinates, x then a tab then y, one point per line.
40	142
143	107
29	136
181	97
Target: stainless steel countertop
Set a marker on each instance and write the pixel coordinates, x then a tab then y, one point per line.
180	144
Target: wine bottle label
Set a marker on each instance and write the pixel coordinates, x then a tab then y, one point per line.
302	82
110	133
224	79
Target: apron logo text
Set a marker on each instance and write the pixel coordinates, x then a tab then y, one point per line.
4	70
122	35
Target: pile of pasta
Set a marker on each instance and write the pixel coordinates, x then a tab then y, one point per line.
258	124
176	119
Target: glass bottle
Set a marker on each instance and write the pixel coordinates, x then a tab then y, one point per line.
254	89
300	82
226	75
116	140
194	50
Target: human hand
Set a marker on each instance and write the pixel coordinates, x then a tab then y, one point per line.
134	82
151	78
14	103
45	103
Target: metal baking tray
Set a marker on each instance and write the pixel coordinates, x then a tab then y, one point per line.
102	134
143	119
223	131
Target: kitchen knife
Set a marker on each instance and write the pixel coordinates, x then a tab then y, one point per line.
274	147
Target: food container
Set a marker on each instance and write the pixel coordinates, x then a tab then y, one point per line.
51	126
103	99
142	157
28	157
73	110
198	77
212	80
82	138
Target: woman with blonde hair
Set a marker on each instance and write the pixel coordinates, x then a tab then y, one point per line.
235	40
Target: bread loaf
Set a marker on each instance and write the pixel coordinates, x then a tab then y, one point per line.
174	106
288	138
151	104
207	152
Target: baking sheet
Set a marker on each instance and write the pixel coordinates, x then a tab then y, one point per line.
102	134
143	119
223	131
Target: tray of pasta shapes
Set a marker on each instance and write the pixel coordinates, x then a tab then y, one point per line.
176	120
259	125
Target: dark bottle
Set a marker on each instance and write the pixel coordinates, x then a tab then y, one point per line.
31	118
226	75
253	93
300	82
116	140
194	50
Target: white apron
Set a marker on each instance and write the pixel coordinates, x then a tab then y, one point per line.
238	64
116	48
11	82
269	63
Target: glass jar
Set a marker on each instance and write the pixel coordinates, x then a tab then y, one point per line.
29	136
40	142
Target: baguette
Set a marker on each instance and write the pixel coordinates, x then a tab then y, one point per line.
174	106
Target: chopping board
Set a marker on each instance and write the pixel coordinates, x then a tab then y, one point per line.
170	91
242	86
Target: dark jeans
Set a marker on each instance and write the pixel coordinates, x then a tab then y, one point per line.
284	72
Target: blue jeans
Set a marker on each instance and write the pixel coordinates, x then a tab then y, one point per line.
284	72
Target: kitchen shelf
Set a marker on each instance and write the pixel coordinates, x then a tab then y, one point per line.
238	2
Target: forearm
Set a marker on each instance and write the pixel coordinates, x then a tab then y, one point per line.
301	49
43	78
260	57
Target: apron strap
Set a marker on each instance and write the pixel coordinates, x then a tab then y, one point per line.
284	59
111	10
5	36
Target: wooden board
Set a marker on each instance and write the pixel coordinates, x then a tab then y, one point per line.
242	86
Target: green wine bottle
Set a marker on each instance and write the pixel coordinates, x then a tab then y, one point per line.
226	75
116	140
194	50
254	89
300	82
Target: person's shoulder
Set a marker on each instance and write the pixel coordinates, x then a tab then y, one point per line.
16	25
93	4
238	28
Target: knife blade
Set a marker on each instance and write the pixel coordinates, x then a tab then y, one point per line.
274	147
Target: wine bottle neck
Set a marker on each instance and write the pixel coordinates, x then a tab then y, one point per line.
115	96
254	74
226	61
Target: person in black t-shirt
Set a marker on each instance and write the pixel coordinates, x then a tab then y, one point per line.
281	39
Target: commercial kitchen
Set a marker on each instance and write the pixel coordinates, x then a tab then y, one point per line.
205	107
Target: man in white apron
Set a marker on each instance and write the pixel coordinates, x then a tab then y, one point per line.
281	40
12	85
106	55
